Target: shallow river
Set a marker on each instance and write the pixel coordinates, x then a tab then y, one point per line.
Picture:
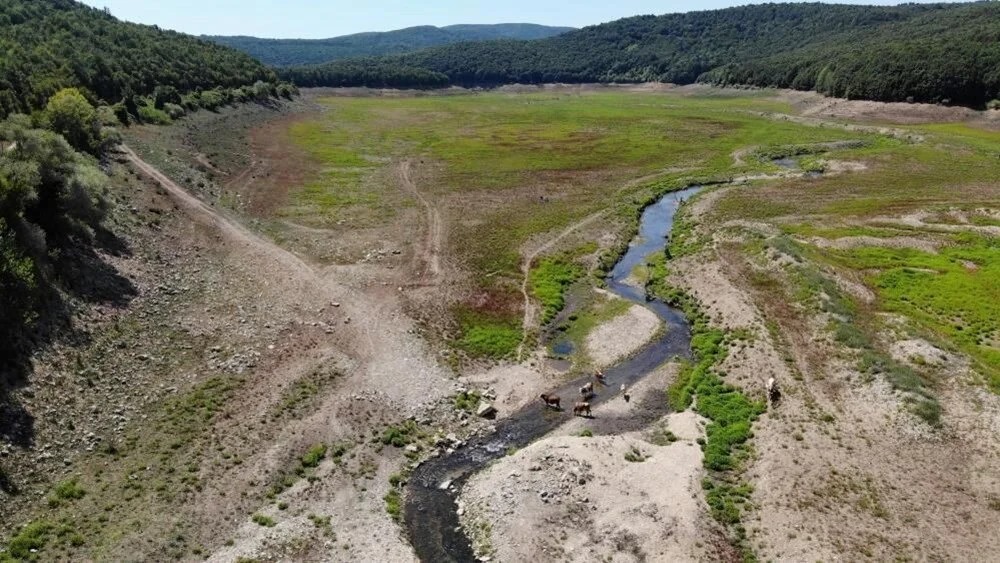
430	511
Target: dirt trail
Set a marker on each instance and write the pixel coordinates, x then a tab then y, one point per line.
206	215
389	365
430	254
530	311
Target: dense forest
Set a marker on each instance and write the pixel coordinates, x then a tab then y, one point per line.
53	44
69	76
918	52
288	52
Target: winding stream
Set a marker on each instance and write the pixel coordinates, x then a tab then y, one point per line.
430	511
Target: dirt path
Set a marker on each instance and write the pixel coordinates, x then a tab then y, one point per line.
389	366
206	215
430	254
530	311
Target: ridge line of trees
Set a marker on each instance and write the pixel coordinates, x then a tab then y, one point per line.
948	53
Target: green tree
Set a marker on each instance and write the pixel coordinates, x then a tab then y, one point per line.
71	115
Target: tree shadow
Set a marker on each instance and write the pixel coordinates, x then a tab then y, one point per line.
77	275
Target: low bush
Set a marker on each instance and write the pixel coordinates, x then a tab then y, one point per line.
467	401
314	455
263	520
400	436
149	114
394	504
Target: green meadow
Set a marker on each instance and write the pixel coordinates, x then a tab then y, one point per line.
506	169
509	168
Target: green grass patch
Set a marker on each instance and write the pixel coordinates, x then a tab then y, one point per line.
725	501
955	294
467	401
394	504
66	491
262	520
314	456
548	282
487	334
402	434
27	543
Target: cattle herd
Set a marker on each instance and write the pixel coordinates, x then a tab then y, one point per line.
582	407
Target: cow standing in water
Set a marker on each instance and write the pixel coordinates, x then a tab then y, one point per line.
552	401
587	391
773	393
600	377
625	394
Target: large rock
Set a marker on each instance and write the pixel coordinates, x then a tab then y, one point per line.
486	409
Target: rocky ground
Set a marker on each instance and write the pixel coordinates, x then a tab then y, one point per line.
578	495
189	412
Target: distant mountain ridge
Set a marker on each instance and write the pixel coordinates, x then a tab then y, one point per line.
289	52
947	53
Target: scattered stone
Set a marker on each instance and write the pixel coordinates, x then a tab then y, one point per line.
486	409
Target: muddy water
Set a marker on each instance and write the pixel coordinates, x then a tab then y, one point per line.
430	510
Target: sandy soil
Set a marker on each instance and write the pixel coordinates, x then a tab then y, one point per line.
830	456
576	498
621	336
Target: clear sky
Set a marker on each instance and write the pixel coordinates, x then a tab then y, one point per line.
330	18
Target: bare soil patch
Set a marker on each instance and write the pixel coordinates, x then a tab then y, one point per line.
622	336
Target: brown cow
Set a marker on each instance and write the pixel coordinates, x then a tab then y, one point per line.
581	409
600	376
587	391
551	401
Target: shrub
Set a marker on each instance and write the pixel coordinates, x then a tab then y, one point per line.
401	435
634	455
149	114
263	520
314	455
68	490
394	504
993	104
467	401
174	111
71	115
30	540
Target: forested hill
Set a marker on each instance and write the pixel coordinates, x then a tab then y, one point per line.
287	52
922	52
48	45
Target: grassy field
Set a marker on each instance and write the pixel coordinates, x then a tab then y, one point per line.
925	212
510	168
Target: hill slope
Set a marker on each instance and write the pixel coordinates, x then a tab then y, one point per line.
929	52
52	44
286	52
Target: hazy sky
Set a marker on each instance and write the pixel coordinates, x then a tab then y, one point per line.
326	18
